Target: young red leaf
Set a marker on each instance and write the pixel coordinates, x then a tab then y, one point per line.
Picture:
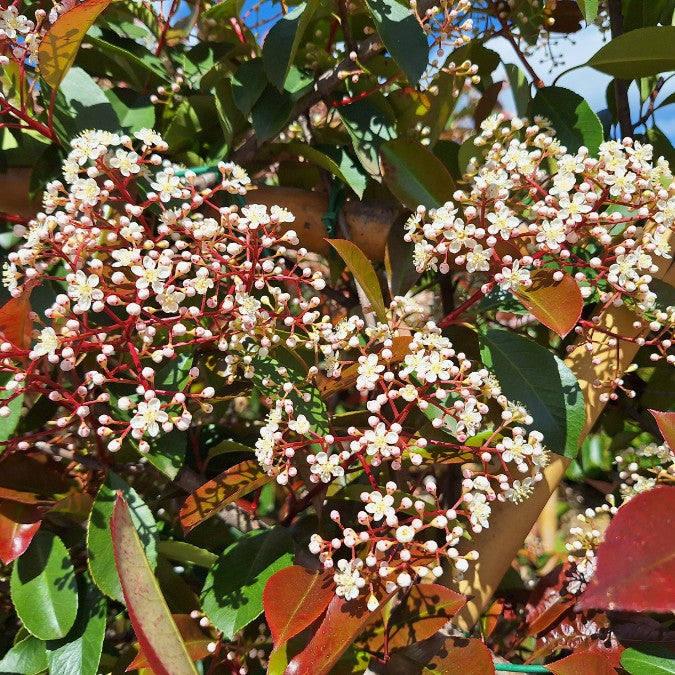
226	488
666	422
194	636
15	324
556	304
293	598
636	562
18	525
155	629
343	622
363	272
587	663
463	656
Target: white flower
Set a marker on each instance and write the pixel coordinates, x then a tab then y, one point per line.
381	441
368	372
83	289
469	417
168	185
125	162
405	534
149	416
149	137
152	273
478	259
348	579
380	506
13	24
170	299
256	214
47	344
519	492
86	190
300	425
126	257
479	512
202	282
327	467
514	278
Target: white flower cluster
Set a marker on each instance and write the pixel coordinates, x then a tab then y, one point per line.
20	32
532	205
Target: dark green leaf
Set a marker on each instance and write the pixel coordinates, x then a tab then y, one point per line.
27	657
414	174
648	660
175	375
79	652
639	14
531	375
271	112
99	540
571	117
486	59
282	42
402	36
134	112
370	122
8	424
233	591
589	9
43	587
248	83
167	452
639	53
520	88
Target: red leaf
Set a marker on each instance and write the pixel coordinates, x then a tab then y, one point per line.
582	662
152	622
463	656
343	622
195	639
226	488
15	323
18	525
556	304
636	562
294	598
666	422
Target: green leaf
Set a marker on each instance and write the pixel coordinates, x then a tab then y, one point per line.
571	117
233	591
27	657
79	652
533	376
282	42
175	375
414	174
639	53
99	541
133	111
486	59
167	452
155	629
184	552
229	116
248	83
353	174
520	88
589	8
225	9
402	36
370	122
648	660
43	587
271	112
8	424
363	272
639	14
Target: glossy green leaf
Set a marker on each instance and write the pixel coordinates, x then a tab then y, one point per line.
43	587
99	540
282	42
79	652
589	8
414	174
175	375
151	619
639	53
167	452
402	36
26	657
370	122
571	117
248	83
8	424
533	376
233	591
520	88
181	551
363	272
648	660
270	113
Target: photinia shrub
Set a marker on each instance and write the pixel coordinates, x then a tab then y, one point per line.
307	325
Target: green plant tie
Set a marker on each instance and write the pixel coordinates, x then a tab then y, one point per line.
335	200
518	668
